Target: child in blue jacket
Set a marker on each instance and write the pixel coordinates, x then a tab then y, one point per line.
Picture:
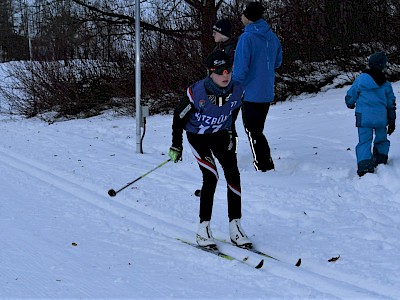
373	98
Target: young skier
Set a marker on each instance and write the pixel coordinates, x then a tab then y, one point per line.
208	115
373	98
222	33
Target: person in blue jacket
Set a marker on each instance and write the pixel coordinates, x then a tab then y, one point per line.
208	114
373	98
258	54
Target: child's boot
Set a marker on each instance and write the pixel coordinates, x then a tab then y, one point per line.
237	234
365	166
204	235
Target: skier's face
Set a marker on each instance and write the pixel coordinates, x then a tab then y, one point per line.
223	79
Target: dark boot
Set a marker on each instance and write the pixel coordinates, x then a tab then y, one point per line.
266	166
365	166
379	158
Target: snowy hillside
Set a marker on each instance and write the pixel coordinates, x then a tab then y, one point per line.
62	236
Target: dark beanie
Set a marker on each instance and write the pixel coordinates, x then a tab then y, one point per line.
218	59
224	27
254	11
378	60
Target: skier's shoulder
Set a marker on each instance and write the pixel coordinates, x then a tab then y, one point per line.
184	107
195	88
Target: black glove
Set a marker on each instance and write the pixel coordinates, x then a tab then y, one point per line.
351	106
175	153
391	115
391	128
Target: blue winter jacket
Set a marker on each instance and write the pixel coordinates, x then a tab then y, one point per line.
258	54
374	103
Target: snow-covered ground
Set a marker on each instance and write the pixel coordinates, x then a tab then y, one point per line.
62	236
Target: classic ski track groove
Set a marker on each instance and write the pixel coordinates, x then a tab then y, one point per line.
91	195
124	152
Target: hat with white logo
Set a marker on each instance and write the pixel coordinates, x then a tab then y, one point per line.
224	27
218	60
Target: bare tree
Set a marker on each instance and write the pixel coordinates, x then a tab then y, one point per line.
323	36
190	20
13	46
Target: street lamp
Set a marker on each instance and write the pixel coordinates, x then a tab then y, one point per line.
138	77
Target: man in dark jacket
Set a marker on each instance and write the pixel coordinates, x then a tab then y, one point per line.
258	54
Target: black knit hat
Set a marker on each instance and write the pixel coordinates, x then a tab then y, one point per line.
224	27
254	11
378	60
218	60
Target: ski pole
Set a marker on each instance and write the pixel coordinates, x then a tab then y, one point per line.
113	193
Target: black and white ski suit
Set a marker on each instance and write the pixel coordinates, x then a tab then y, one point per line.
209	122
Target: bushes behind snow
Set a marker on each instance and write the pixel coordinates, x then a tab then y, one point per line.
84	88
55	90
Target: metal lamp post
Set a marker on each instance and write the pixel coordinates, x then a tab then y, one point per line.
138	78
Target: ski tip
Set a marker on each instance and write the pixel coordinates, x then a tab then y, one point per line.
298	263
260	264
197	193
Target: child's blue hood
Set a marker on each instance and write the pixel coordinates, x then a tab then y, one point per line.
367	82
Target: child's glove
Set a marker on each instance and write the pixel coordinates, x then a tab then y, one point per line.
351	106
391	128
391	115
175	153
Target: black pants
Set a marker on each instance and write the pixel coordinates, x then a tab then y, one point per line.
221	146
254	116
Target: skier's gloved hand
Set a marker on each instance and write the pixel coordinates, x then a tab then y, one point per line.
351	106
391	128
175	153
